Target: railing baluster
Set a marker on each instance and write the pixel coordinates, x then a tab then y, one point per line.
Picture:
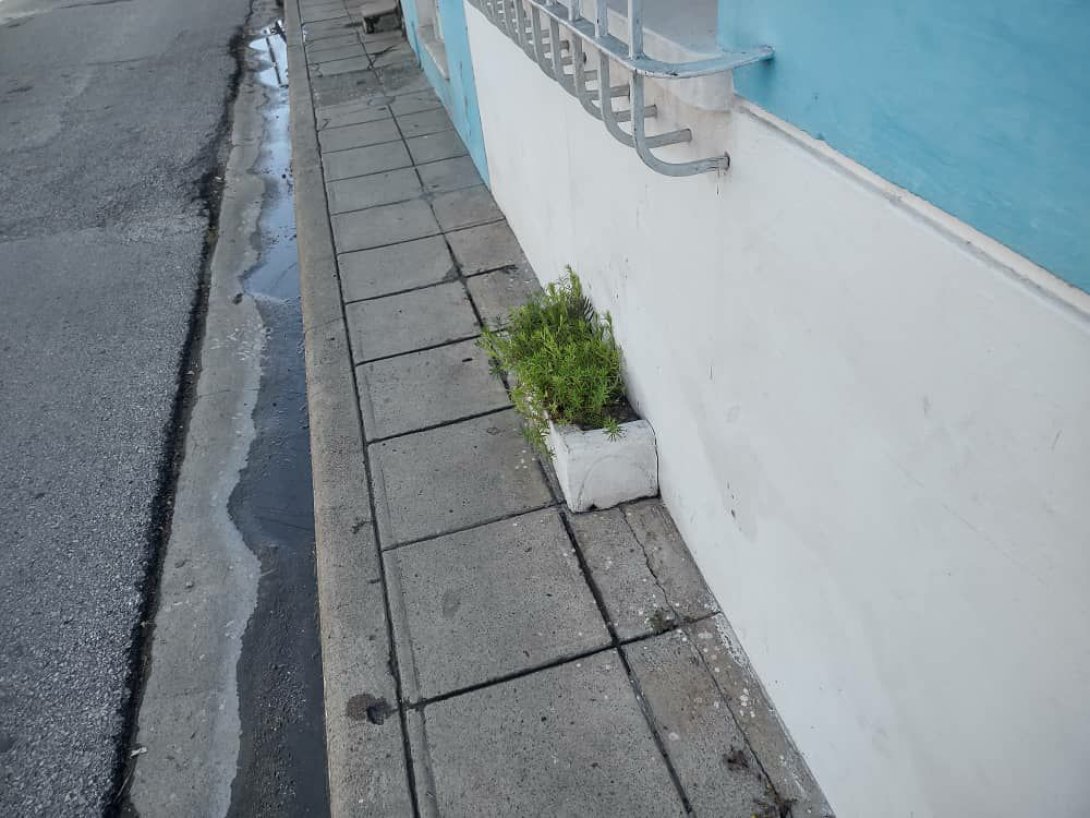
567	27
539	45
520	21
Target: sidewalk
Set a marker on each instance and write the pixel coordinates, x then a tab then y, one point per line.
485	652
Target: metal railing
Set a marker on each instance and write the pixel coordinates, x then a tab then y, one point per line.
556	37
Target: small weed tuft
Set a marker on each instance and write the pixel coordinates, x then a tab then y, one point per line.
564	362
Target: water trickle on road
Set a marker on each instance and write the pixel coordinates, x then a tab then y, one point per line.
282	752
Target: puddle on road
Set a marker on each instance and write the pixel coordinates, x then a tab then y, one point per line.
276	276
282	755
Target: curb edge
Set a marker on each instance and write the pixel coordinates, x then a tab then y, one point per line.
367	765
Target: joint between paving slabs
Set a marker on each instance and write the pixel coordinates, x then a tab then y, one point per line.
389	244
447	280
649	717
770	778
420	349
616	645
420	702
464	528
428	196
418	724
393	663
441	425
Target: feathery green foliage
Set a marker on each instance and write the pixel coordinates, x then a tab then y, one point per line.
564	361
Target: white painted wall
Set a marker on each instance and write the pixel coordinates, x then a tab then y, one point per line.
874	432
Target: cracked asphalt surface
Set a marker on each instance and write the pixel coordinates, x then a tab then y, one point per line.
111	114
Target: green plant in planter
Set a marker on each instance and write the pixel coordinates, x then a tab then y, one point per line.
564	362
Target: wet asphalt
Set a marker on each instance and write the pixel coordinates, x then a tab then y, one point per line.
282	753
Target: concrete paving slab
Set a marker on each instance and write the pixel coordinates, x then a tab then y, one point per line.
360	101
642	568
490	602
425	388
327	29
320	31
718	772
339	52
632	598
403	78
669	559
721	652
307	10
435	146
376	189
384	36
336	21
350	87
393	54
484	248
318	11
318	47
359	135
311	8
330	68
411	103
434	482
449	174
361	704
362	161
495	294
410	321
318	43
351	114
395	268
424	122
386	224
568	741
322	18
468	207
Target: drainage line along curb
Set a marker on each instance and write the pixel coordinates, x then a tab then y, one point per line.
367	758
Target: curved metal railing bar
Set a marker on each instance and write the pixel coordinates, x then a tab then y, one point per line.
567	27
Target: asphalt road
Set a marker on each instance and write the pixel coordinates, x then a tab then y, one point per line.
111	117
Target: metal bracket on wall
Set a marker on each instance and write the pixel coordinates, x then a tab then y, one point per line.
556	36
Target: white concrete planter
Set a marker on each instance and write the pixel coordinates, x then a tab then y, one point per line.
596	472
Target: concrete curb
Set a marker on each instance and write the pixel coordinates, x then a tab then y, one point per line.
365	743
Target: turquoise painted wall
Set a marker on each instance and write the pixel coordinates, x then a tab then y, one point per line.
459	94
981	107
